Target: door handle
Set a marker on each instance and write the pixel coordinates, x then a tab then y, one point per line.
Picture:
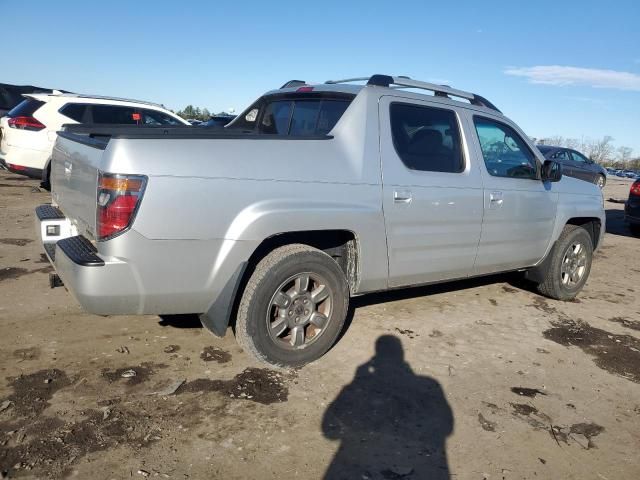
402	196
495	199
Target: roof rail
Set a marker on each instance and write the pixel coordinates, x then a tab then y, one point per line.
438	90
102	97
347	80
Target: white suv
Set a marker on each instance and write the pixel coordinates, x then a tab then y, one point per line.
28	132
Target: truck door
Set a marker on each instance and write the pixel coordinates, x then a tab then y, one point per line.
520	209
432	193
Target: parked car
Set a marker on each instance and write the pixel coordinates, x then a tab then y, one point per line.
11	95
632	208
194	122
576	165
28	131
218	121
274	222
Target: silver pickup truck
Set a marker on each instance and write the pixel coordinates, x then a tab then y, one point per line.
315	193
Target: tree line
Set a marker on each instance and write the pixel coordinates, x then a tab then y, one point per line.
602	151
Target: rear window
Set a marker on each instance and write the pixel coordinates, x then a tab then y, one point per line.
110	114
275	119
75	111
296	117
26	108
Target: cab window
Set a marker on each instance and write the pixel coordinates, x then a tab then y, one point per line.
426	138
505	153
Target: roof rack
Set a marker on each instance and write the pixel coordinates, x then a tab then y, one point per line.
101	97
406	82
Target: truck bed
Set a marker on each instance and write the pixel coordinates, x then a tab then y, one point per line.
98	136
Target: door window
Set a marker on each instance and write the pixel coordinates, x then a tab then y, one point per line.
111	114
577	157
505	153
426	138
153	117
75	111
561	156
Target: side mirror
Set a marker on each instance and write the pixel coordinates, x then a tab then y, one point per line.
551	171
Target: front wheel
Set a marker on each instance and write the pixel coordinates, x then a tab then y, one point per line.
570	264
293	307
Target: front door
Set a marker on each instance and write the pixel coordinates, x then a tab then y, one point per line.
520	209
582	167
432	193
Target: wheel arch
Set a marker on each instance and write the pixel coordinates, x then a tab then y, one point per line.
340	244
592	225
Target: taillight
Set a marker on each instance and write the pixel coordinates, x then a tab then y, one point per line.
635	188
25	123
305	89
119	197
11	166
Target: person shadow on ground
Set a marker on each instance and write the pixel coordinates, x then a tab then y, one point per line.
392	424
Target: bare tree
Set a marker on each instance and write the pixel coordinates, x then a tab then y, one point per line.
600	151
556	141
624	154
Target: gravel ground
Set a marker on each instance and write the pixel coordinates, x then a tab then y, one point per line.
481	379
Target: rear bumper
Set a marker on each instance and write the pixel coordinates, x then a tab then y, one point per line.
131	274
29	172
632	211
25	161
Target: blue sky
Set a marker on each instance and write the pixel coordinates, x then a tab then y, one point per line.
569	68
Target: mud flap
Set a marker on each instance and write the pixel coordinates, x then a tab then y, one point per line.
537	274
216	318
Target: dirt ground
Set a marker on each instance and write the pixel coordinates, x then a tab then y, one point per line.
481	379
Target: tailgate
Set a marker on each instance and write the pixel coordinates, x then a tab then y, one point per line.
74	176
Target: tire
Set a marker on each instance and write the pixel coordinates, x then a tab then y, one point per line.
276	298
558	283
601	180
635	229
46	180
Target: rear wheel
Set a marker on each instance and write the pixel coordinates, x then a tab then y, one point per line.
570	264
46	178
293	307
601	181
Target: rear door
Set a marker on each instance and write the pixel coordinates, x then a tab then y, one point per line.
519	209
432	193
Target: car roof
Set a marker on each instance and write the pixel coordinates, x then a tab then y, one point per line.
548	148
82	97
